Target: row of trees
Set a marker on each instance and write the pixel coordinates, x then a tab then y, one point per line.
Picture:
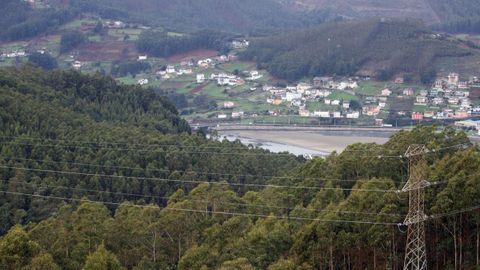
133	68
71	40
163	44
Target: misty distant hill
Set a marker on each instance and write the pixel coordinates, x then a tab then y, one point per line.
371	47
244	16
429	11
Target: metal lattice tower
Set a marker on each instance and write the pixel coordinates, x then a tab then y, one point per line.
415	252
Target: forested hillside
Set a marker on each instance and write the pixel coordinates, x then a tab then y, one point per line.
188	15
19	20
429	11
93	173
161	44
369	47
89	126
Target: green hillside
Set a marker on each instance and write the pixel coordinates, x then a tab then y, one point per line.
429	11
188	15
62	120
369	47
20	21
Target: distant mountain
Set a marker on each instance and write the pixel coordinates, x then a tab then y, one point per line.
20	21
244	16
429	11
373	47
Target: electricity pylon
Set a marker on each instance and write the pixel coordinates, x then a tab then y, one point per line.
415	252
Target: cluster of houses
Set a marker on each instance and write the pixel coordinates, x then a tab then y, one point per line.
234	114
318	90
14	54
186	67
450	96
240	44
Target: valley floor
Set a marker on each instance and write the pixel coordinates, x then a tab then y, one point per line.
317	141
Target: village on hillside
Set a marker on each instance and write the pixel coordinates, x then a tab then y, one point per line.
329	97
237	90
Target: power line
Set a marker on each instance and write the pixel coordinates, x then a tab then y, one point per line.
197	182
455	212
377	155
159	145
205	211
436	216
122	143
203	201
193	171
153	150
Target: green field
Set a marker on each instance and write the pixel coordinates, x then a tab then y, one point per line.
131	33
95	38
75	25
340	95
129	79
215	91
420	108
370	88
320	106
240	66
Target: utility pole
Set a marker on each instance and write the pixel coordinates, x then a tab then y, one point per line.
415	251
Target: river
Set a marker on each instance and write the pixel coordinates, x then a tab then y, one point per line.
308	143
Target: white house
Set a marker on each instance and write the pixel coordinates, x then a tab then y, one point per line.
437	101
142	57
302	87
77	64
292	96
421	100
240	44
228	104
322	114
237	114
353	115
200	78
453	78
170	69
335	102
386	92
322	93
254	75
143	81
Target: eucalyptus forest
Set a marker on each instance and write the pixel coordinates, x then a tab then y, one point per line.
97	175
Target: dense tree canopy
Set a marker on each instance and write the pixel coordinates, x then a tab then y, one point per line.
71	40
97	175
346	48
19	20
162	44
247	16
43	60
